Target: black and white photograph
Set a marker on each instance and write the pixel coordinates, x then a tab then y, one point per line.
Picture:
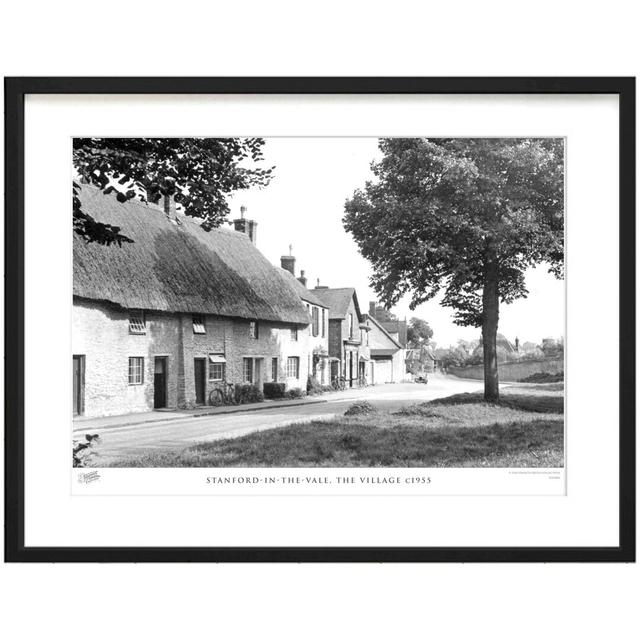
320	321
334	302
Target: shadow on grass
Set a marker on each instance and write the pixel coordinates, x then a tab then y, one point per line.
511	400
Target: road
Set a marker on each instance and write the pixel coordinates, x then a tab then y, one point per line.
134	440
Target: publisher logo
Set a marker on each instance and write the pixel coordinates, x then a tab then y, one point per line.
88	477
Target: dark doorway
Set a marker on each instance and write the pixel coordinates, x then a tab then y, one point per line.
335	370
160	382
78	385
351	368
199	367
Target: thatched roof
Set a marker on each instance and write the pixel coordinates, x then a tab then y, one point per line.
179	267
338	301
502	343
303	292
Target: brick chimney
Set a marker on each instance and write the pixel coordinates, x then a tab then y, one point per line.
288	263
302	278
242	225
169	206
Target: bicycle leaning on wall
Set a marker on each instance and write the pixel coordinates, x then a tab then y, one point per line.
223	393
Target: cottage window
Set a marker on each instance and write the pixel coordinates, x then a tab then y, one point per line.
274	369
136	322
198	324
294	334
351	326
293	367
323	321
309	312
316	319
216	371
136	370
253	330
247	370
216	367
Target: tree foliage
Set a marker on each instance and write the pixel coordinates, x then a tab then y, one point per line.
418	333
199	172
439	207
383	314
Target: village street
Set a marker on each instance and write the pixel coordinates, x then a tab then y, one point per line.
176	433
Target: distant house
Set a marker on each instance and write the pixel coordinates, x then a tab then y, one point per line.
421	361
387	355
504	348
396	328
161	321
348	335
316	341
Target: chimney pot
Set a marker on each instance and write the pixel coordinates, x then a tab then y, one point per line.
302	279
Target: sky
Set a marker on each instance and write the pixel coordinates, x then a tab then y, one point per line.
303	207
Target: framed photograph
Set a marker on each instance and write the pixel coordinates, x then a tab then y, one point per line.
320	319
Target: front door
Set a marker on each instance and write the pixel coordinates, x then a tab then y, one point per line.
160	383
199	366
78	385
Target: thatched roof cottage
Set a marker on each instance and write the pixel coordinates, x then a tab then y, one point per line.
163	320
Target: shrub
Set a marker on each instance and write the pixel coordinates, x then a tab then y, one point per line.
544	377
313	386
246	393
82	450
273	390
360	408
296	392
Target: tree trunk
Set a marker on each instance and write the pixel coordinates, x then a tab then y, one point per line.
490	313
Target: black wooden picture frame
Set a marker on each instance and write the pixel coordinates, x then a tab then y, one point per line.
15	91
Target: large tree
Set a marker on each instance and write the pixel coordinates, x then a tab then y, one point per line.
463	216
200	173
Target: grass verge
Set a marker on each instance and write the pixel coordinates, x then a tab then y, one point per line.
524	430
